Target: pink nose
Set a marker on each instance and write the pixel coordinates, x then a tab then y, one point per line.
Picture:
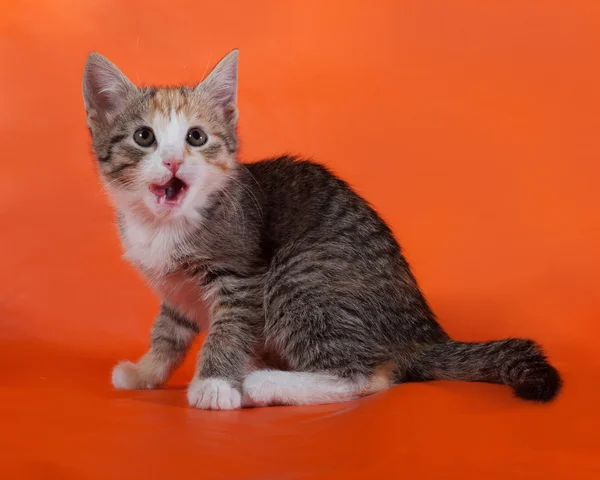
173	164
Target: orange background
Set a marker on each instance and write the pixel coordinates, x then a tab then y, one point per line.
472	126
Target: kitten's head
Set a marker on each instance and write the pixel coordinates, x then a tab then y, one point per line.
162	151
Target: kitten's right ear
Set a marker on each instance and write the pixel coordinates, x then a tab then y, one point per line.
105	89
220	86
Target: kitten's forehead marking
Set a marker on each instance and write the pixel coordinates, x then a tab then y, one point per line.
164	100
172	112
171	130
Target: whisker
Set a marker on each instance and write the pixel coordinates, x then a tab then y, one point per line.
250	194
239	211
206	68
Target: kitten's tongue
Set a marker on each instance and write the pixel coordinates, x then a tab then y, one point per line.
171	192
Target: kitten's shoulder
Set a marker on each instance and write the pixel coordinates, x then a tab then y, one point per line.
288	166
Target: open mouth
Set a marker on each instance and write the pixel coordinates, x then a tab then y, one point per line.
170	193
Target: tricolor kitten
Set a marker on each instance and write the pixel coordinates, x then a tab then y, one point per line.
309	297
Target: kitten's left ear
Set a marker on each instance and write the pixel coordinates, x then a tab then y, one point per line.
106	90
221	85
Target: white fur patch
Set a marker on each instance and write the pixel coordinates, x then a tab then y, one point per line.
150	246
274	387
213	394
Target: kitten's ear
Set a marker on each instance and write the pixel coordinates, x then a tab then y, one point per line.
220	86
105	89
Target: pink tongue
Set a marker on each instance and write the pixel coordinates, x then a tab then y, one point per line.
159	191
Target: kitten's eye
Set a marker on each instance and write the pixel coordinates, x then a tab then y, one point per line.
144	137
196	137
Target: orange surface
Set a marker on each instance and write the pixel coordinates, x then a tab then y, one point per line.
471	125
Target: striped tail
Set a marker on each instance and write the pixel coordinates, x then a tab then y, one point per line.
518	363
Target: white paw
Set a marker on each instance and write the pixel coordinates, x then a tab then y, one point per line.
127	376
213	394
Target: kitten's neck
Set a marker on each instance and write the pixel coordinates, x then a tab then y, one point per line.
154	247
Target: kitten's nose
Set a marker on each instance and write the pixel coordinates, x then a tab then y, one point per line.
173	164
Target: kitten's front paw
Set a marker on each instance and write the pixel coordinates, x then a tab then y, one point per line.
213	394
129	376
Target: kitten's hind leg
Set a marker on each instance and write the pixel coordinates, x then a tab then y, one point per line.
171	336
275	387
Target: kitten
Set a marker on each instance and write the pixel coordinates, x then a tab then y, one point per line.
309	297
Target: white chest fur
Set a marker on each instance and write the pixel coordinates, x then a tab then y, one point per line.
153	247
155	250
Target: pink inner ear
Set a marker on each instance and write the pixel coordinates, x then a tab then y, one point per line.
109	99
230	113
221	83
105	88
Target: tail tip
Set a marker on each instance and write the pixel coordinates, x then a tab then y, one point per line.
540	385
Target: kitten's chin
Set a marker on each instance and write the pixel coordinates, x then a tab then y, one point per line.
164	208
147	209
161	209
